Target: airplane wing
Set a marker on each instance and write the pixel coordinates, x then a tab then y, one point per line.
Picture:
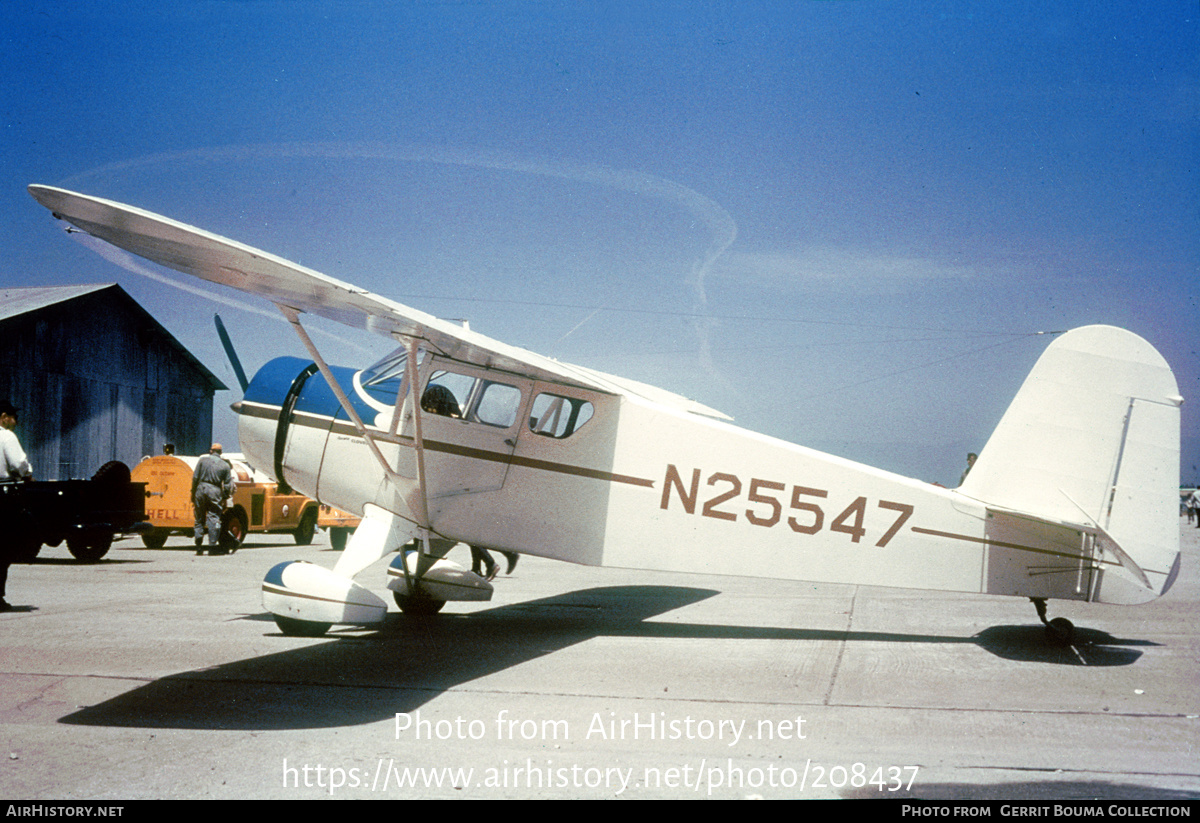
220	260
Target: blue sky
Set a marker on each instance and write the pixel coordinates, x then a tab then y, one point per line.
839	222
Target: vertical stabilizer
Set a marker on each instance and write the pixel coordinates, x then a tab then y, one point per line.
1093	438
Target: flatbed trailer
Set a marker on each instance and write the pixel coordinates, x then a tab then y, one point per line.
87	514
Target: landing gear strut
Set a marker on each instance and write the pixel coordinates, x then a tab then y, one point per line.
1059	631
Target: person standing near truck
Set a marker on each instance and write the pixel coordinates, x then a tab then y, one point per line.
15	468
16	464
212	483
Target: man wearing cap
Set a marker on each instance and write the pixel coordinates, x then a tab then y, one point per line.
14	465
212	482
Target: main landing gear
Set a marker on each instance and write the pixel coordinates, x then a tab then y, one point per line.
1060	631
418	605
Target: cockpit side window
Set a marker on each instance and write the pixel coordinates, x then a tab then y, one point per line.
470	398
498	404
441	401
553	415
448	394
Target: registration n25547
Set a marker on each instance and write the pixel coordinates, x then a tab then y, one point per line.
768	501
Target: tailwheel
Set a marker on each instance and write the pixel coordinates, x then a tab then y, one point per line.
418	605
1060	631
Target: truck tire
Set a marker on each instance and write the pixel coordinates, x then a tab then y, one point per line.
233	530
155	539
308	526
338	535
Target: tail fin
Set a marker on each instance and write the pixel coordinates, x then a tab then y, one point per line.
1093	438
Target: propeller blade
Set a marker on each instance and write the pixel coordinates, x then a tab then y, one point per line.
230	353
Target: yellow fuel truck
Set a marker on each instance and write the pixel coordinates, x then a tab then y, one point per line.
257	505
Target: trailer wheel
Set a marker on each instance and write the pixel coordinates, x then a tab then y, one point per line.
114	473
308	526
89	548
110	480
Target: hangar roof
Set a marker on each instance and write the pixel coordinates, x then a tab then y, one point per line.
17	302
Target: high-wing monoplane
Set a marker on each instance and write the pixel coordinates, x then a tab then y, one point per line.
458	438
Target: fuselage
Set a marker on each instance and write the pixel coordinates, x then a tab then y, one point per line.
617	480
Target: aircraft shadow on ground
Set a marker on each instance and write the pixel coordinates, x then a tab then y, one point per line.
1090	647
354	678
1028	644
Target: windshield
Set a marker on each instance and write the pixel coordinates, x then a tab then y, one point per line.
389	370
379	384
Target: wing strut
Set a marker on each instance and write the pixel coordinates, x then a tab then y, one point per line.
417	496
424	558
293	317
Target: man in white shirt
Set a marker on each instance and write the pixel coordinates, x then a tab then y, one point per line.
15	466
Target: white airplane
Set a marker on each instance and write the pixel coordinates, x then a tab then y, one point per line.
455	437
